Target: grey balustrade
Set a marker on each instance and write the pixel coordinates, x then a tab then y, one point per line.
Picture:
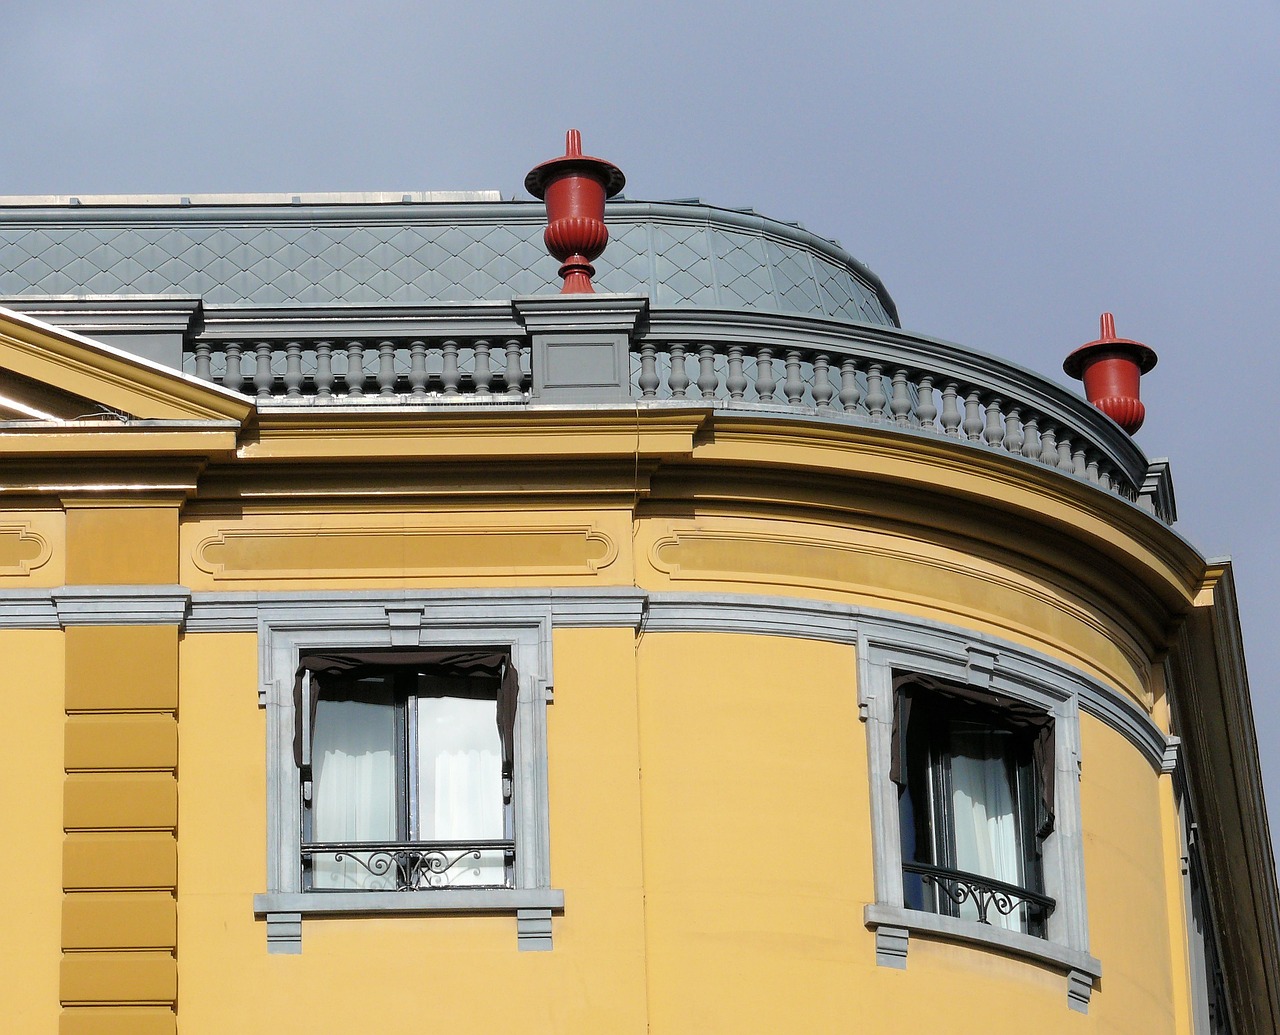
821	382
825	371
408	370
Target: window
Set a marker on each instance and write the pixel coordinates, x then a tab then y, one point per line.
406	769
407	759
973	759
975	802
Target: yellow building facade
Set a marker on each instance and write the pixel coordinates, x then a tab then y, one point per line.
736	641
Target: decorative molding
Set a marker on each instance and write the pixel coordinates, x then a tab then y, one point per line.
22	550
28	609
438	900
751	615
1079	990
446	551
533	930
797	557
1156	494
284	933
569	607
891	946
121	605
901	922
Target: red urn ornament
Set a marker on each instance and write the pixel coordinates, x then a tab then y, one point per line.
1111	369
575	187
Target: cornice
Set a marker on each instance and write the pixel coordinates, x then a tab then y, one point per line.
1089	532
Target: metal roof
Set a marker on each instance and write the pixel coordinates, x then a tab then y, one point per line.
406	249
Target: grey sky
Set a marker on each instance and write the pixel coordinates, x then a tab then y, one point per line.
1010	170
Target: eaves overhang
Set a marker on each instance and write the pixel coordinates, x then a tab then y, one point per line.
119	382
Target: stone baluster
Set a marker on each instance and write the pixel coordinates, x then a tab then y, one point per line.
926	412
822	387
973	422
1079	466
324	370
1104	479
203	367
354	377
418	369
1066	461
765	381
850	392
736	382
900	400
648	371
1091	470
793	385
678	379
234	377
293	370
708	380
950	411
450	376
1031	438
876	399
1013	435
482	373
993	430
513	376
1049	446
386	369
262	379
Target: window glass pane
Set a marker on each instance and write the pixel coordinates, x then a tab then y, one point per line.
459	793
984	810
354	797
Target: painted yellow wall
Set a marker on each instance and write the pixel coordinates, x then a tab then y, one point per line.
457	974
31	780
1131	927
711	831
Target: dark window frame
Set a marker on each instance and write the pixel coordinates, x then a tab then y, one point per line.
410	861
927	715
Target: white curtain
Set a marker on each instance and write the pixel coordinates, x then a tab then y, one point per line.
354	797
460	782
986	822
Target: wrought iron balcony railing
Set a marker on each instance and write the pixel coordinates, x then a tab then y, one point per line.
955	888
407	865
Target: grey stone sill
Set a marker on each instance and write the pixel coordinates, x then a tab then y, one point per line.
1012	942
442	901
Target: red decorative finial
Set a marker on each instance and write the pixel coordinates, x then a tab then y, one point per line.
575	187
1111	369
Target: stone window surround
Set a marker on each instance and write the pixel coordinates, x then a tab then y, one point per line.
884	654
285	633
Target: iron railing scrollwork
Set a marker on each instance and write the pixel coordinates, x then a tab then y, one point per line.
986	894
407	865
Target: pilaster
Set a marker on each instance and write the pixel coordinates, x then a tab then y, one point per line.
120	795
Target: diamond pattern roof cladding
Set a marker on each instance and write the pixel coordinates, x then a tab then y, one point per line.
278	258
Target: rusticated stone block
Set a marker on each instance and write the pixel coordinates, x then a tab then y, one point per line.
119	920
121	742
93	861
120	977
118	1020
108	800
122	667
